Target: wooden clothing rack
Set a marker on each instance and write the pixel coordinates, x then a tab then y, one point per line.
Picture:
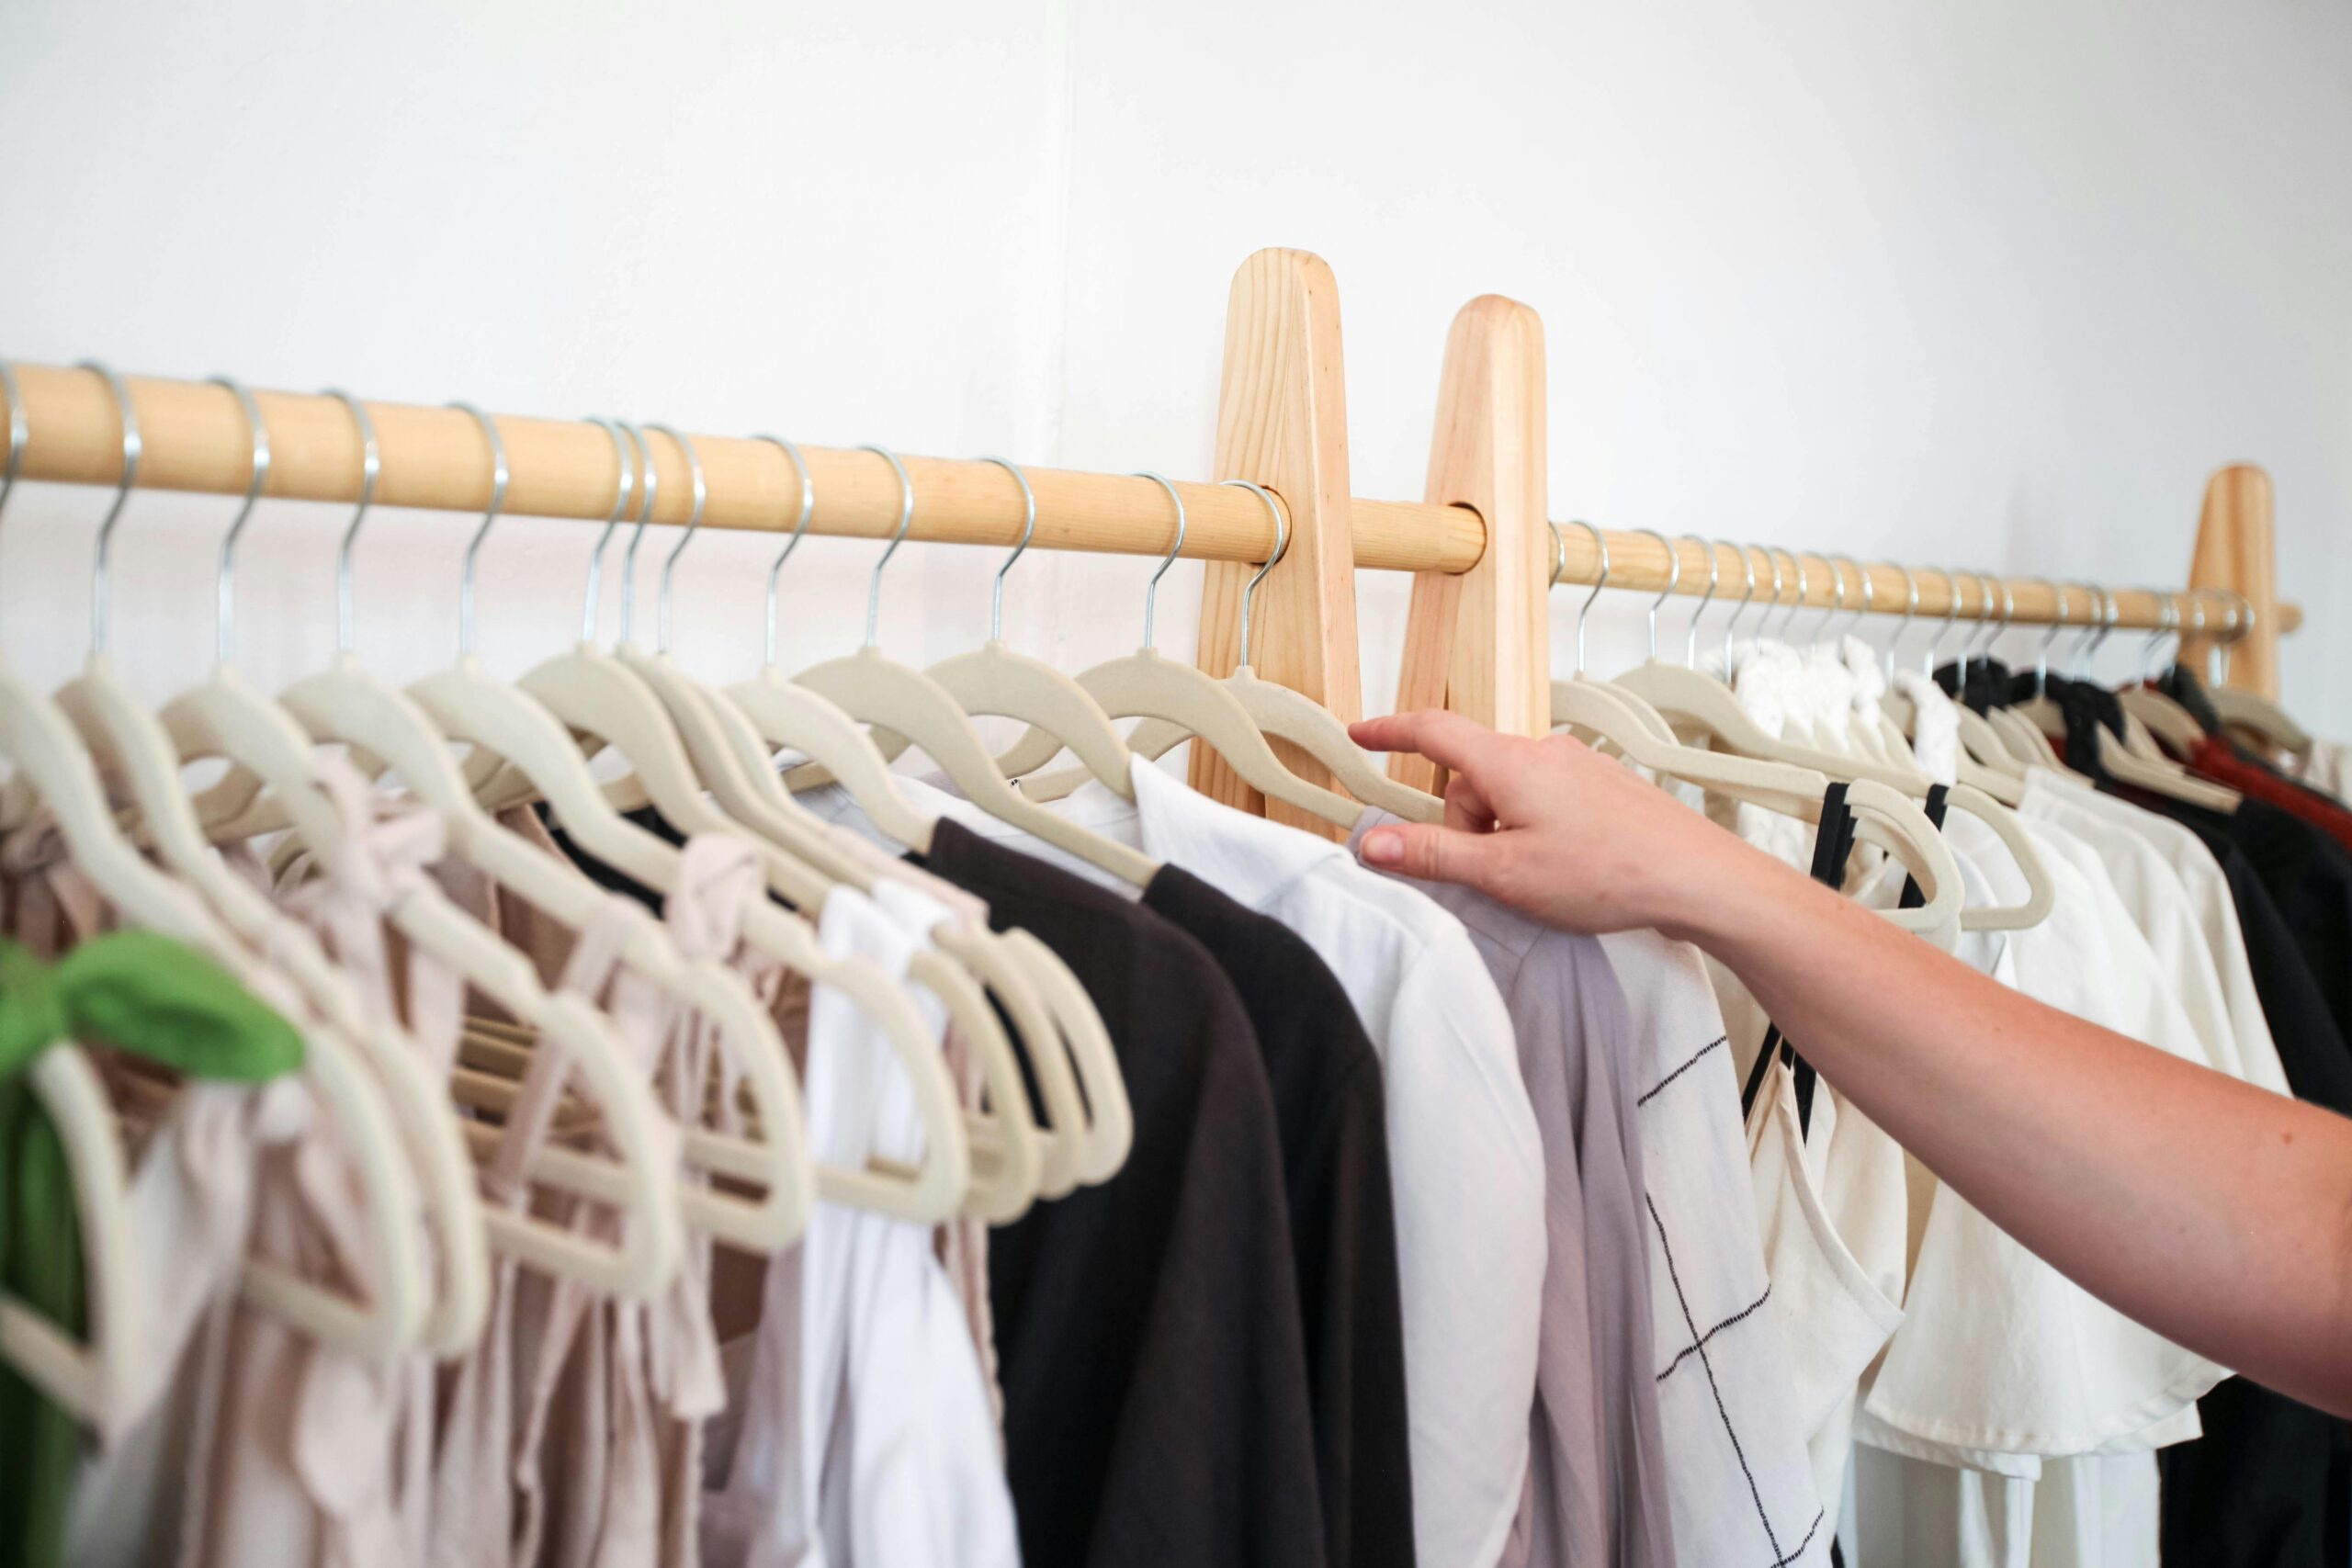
1479	542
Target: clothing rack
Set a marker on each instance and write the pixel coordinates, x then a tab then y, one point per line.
1479	542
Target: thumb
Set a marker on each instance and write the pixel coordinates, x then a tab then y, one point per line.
1434	853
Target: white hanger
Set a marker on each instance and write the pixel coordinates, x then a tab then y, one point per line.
1080	1084
275	747
1983	761
2126	766
2250	711
226	717
1281	714
1144	684
876	691
2165	718
466	705
1885	818
1007	1181
117	726
94	1377
996	681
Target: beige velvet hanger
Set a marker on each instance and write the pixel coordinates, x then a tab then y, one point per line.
875	690
1008	1152
1077	1072
994	679
1282	714
1147	684
466	705
120	731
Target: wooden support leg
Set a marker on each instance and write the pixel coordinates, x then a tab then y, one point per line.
1283	422
1480	643
2236	550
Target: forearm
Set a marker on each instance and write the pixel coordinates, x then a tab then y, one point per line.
2216	1213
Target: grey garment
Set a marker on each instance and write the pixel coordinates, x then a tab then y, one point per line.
1597	1479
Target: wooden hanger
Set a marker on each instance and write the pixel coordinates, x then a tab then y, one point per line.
875	690
1146	685
466	705
1282	714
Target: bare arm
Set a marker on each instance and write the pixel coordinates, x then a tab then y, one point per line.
2218	1214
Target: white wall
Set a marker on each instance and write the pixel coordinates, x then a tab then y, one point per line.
1995	284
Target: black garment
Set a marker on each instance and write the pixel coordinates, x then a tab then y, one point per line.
1332	1112
1833	845
1148	1329
2270	1482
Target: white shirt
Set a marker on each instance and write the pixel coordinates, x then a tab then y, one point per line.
2216	912
1739	1477
2326	767
1465	1152
867	1437
2159	906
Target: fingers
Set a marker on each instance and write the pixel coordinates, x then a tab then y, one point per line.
1446	738
1435	854
1466	807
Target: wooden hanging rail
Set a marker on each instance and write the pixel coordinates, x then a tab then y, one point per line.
193	439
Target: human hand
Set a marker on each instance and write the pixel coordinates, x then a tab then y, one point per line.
1553	828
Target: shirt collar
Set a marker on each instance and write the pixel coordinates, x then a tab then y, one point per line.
1247	858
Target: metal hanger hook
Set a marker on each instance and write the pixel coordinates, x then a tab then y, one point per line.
1780	580
1746	565
2074	653
2169	607
371	468
1869	595
102	556
499	475
906	520
799	528
1830	611
1152	588
2041	648
1028	528
625	447
1600	542
1951	614
650	493
20	433
1673	581
1714	576
2240	627
1984	613
1282	549
1910	609
224	624
693	524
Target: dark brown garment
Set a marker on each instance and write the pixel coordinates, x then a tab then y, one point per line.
1152	1355
1332	1115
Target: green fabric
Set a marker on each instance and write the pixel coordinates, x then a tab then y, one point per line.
42	1266
150	997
